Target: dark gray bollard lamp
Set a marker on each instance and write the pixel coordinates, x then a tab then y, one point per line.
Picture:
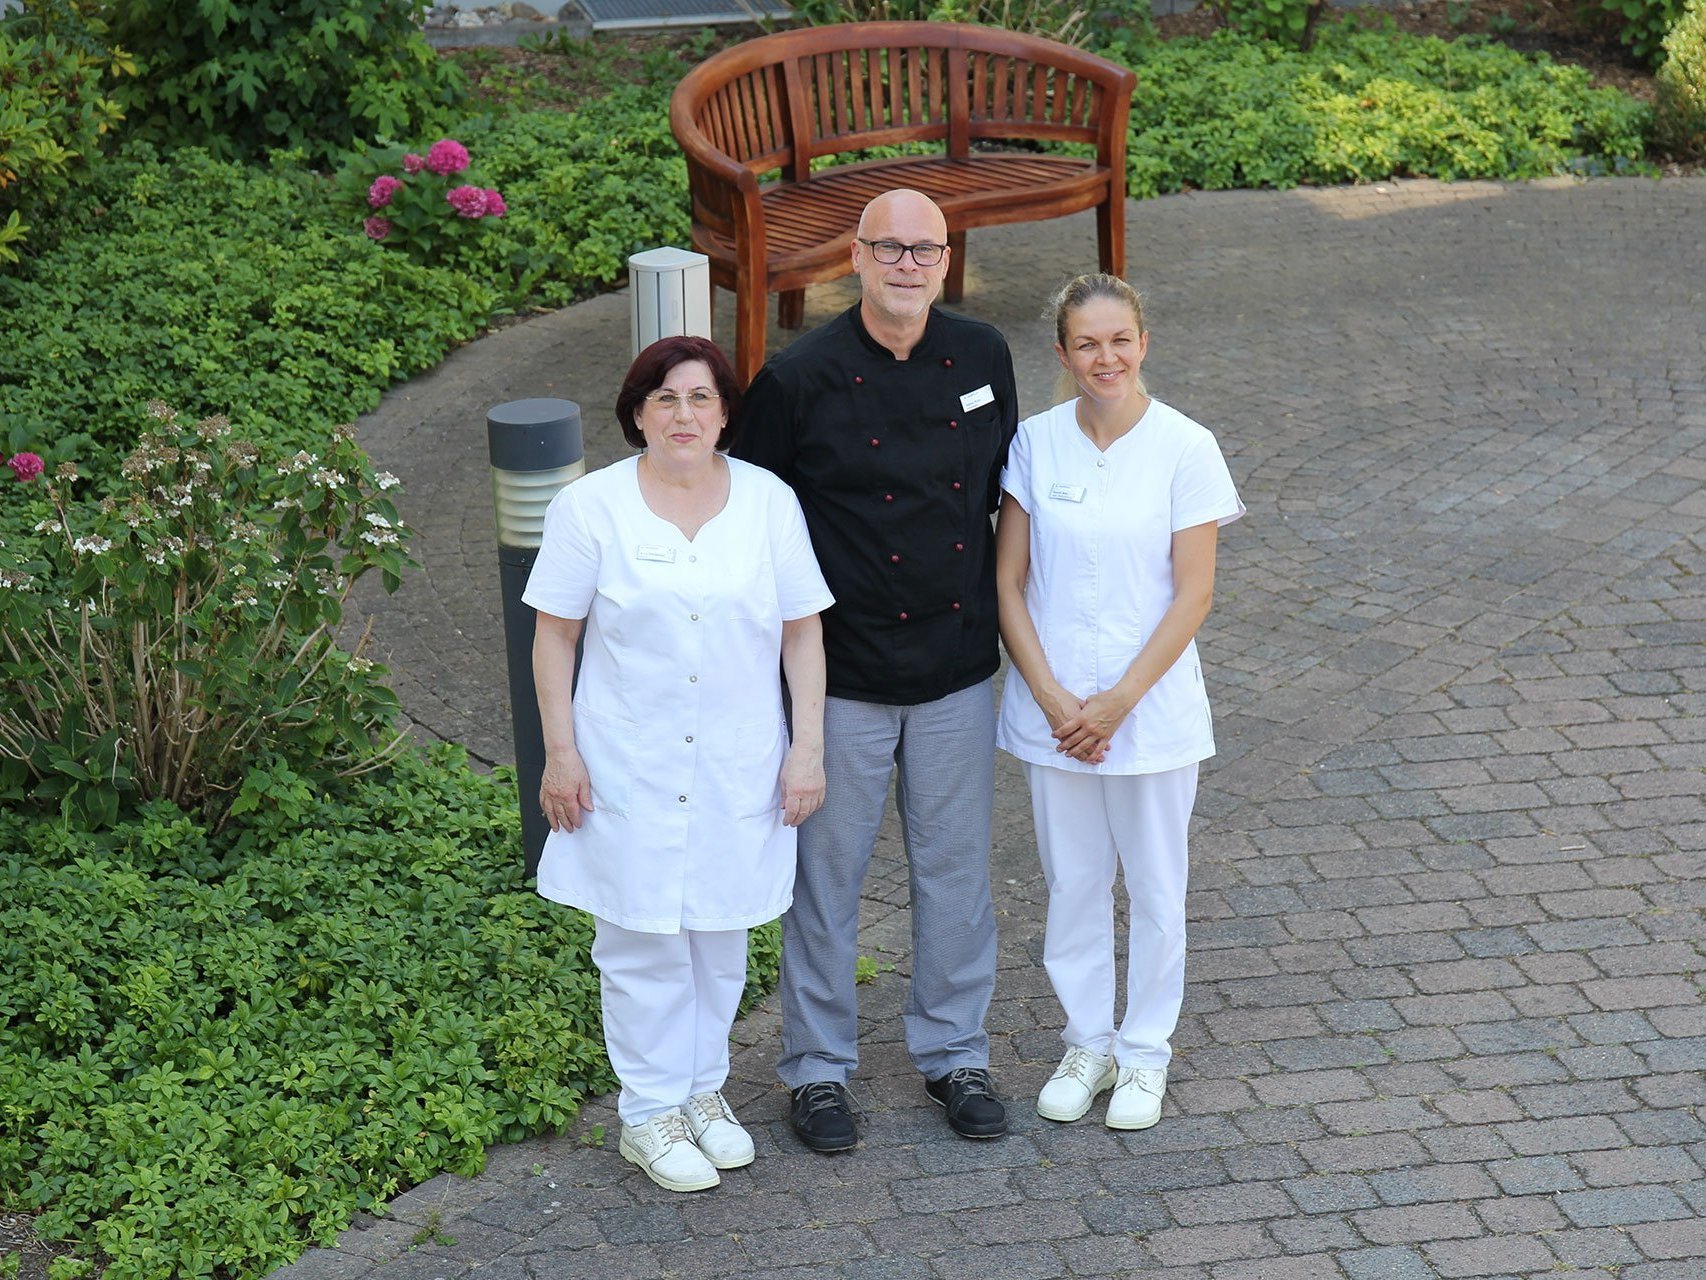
536	448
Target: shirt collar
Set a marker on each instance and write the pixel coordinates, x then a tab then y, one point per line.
926	344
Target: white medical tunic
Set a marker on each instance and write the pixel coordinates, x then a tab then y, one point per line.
678	708
1101	576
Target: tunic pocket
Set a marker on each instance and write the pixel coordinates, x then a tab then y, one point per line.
611	750
758	753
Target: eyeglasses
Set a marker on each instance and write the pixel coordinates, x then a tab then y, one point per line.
696	399
889	252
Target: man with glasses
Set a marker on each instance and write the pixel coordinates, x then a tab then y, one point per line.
891	422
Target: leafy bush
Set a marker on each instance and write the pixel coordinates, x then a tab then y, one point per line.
240	76
1643	24
54	117
586	190
158	643
428	206
218	1046
219	288
1681	83
1291	23
1227	112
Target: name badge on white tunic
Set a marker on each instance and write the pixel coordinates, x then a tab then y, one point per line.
976	399
650	551
1067	492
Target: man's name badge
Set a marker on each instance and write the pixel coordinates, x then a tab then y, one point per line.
977	399
1067	492
663	555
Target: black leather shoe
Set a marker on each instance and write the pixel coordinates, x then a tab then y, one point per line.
822	1117
968	1096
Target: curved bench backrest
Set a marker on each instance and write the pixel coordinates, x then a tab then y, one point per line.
778	102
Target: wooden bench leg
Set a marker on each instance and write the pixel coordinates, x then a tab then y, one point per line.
751	311
791	308
954	287
1110	236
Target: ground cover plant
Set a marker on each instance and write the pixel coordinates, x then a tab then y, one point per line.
1363	105
221	1045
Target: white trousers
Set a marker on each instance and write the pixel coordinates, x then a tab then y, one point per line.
669	1000
1087	824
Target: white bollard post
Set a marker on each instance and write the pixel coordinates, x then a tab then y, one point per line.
670	294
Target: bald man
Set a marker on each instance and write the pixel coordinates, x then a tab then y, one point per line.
892	422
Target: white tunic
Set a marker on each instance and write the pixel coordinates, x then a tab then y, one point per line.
1101	576
678	709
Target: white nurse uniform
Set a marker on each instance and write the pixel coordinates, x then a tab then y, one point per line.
678	708
678	719
1099	582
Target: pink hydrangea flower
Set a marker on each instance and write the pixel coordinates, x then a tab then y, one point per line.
447	156
377	228
26	466
495	206
413	163
470	202
383	188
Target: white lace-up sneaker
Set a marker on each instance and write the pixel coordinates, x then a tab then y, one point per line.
1136	1103
1081	1075
717	1132
664	1150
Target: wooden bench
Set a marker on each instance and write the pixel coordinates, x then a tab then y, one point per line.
758	121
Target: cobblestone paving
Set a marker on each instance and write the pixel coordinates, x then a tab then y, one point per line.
1444	1014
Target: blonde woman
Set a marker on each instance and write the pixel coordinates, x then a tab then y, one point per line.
1105	552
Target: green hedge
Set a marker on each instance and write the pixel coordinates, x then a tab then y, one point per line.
1226	112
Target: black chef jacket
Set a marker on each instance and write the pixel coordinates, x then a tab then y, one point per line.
897	465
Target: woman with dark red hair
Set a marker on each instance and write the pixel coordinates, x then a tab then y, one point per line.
670	781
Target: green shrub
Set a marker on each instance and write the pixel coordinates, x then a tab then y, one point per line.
159	642
54	115
1291	23
217	287
1227	112
585	190
1643	24
240	76
429	206
218	1046
1681	84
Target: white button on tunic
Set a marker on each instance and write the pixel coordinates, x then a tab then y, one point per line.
1101	576
678	709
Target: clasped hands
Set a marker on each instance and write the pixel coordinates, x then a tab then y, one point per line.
1083	727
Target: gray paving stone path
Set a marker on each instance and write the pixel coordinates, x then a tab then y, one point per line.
1444	1015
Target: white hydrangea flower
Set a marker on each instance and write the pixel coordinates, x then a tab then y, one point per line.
385	480
92	545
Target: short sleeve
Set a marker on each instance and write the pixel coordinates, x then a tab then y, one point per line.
1016	475
565	574
800	588
1202	485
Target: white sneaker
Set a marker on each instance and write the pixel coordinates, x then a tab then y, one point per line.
1081	1075
717	1132
664	1150
1136	1103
